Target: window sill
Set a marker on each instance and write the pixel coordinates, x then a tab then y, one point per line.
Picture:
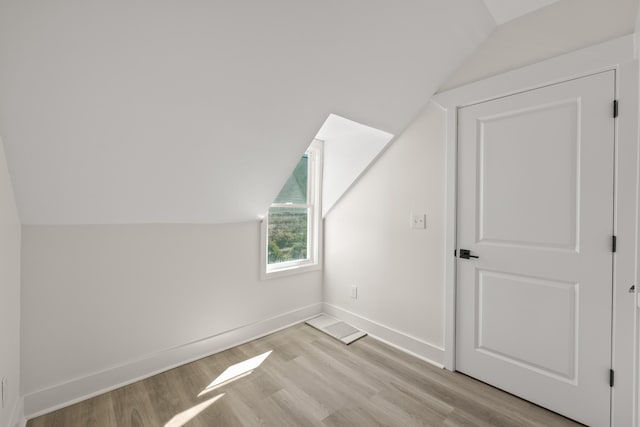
290	271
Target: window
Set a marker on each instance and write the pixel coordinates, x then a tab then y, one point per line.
291	229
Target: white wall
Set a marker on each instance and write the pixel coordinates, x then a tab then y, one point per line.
561	28
349	148
9	297
399	272
345	158
102	297
369	244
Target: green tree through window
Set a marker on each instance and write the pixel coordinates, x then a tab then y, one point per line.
288	225
292	227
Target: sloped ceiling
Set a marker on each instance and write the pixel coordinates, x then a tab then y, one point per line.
557	29
197	111
349	148
507	10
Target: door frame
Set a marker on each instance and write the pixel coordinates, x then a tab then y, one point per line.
618	55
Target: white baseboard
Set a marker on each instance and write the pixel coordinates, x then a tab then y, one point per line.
17	415
407	343
65	394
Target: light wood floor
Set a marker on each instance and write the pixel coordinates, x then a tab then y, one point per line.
308	379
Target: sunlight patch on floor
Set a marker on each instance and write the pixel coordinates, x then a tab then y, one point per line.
184	417
235	372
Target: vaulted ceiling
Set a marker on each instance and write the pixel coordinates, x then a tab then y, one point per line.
507	10
196	111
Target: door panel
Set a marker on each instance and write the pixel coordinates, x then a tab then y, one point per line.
550	347
511	170
535	203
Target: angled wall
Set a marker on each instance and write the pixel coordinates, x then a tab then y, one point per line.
196	112
348	149
557	29
399	272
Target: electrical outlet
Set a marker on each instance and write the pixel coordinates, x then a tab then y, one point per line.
418	220
354	292
3	390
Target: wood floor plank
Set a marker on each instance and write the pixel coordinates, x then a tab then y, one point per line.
307	379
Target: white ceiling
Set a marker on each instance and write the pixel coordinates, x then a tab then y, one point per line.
197	111
507	10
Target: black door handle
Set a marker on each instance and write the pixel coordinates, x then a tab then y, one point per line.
466	254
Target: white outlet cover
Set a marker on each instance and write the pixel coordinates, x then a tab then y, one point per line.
419	220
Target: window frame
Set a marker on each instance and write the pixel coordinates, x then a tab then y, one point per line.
313	261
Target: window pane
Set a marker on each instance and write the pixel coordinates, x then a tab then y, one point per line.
287	234
295	189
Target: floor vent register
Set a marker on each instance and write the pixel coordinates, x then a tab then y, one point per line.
336	328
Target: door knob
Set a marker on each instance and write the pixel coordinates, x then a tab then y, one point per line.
466	254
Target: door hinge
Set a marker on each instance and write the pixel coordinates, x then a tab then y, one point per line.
455	252
611	377
614	243
615	108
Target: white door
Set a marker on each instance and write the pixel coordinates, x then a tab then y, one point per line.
535	205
